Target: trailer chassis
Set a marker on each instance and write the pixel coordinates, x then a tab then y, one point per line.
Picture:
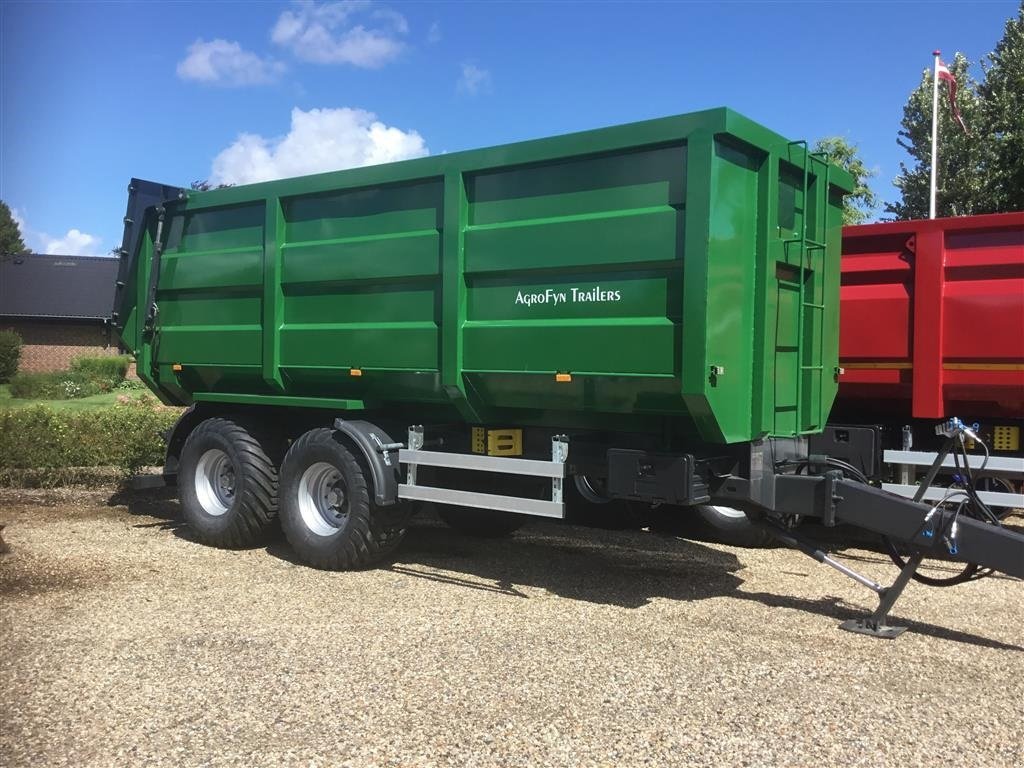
771	499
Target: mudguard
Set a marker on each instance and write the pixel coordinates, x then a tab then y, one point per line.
371	441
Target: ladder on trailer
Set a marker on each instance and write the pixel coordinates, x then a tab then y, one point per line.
806	245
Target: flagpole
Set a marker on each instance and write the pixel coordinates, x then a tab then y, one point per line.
935	134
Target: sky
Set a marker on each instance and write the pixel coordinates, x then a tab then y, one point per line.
94	93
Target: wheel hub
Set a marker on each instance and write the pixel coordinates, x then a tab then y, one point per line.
215	482
322	499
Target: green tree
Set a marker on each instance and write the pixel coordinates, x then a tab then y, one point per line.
964	159
858	206
10	234
1003	95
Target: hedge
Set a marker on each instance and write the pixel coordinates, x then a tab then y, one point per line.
127	436
10	354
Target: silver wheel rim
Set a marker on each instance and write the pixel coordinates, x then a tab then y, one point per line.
215	482
323	503
732	514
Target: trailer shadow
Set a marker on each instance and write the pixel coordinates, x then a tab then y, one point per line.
158	503
840	609
626	569
162	504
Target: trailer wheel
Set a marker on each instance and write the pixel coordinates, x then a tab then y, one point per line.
482	523
228	485
327	509
731	526
586	504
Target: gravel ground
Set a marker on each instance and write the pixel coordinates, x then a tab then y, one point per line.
122	642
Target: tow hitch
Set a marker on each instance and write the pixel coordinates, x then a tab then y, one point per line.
959	527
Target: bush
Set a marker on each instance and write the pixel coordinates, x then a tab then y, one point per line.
108	369
58	385
88	376
127	436
10	354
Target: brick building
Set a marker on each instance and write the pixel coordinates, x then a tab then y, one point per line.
59	305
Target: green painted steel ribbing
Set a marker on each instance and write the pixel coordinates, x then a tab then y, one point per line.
273	298
453	294
281	401
143	346
763	406
699	151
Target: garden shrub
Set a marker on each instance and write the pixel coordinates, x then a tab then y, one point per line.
10	354
88	376
127	436
56	385
107	369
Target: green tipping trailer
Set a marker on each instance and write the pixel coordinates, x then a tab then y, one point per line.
662	296
659	267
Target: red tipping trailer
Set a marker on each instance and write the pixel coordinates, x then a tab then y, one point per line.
932	317
932	327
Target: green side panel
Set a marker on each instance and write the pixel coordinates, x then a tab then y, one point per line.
639	236
205	270
360	276
576	267
683	271
210	288
730	283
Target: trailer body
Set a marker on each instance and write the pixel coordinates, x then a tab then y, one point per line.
932	327
932	317
683	269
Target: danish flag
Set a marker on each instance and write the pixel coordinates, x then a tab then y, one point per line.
944	74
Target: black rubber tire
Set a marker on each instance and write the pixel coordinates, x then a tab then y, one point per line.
481	523
612	515
368	532
731	527
250	519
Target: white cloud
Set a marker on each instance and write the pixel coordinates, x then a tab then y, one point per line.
319	140
224	62
19	219
334	33
393	18
473	80
434	33
74	243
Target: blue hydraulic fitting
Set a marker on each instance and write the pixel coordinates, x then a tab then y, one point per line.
928	530
951	539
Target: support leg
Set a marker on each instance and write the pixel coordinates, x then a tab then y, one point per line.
876	625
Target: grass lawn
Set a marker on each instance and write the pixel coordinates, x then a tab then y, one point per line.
81	404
